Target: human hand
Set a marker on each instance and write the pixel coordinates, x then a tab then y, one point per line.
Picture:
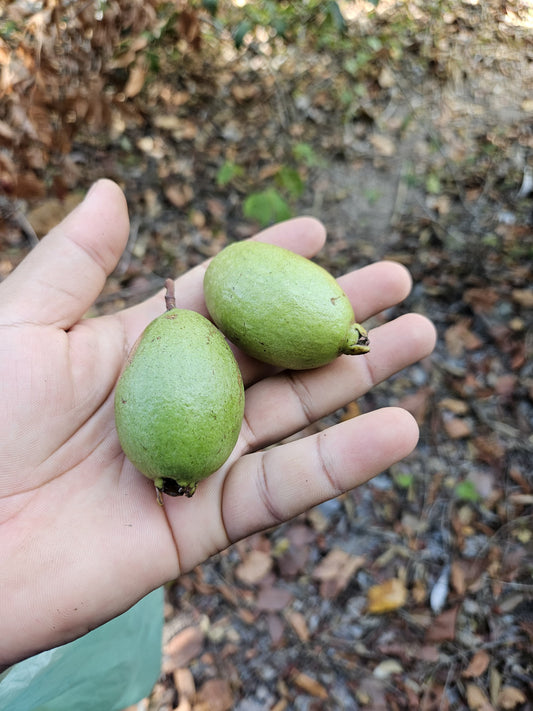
82	537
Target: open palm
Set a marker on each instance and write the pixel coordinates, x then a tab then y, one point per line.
82	537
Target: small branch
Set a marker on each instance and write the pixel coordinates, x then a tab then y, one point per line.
12	213
170	296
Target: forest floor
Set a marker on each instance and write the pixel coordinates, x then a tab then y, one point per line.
414	591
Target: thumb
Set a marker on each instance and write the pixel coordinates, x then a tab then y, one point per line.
63	275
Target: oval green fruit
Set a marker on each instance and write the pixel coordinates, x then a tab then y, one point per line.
280	307
179	401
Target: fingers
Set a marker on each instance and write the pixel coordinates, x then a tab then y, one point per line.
304	235
376	287
288	402
61	278
266	488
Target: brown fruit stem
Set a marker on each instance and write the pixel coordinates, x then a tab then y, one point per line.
170	296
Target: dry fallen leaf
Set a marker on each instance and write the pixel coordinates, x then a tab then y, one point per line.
6	131
245	92
455	405
255	566
509	697
352	410
477	699
384	145
478	664
481	299
182	648
443	626
298	623
186	131
179	194
489	449
273	599
386	78
457	428
495	684
216	694
459	338
167	122
417	403
135	81
371	694
505	384
309	685
523	297
293	561
387	596
335	571
440	203
457	578
51	211
184	683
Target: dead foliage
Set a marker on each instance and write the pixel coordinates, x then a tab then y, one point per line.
67	65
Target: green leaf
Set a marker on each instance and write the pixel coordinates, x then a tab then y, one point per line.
353	65
466	491
8	28
289	179
304	153
227	172
240	32
279	25
375	43
433	184
266	207
211	6
404	480
336	16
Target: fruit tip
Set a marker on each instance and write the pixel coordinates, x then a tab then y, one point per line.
357	341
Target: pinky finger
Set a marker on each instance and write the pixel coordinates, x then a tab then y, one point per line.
266	488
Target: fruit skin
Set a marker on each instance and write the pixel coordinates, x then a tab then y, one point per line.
280	307
179	401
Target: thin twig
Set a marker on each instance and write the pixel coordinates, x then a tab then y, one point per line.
11	212
170	296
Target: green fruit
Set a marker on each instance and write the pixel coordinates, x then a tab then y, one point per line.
179	401
279	307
